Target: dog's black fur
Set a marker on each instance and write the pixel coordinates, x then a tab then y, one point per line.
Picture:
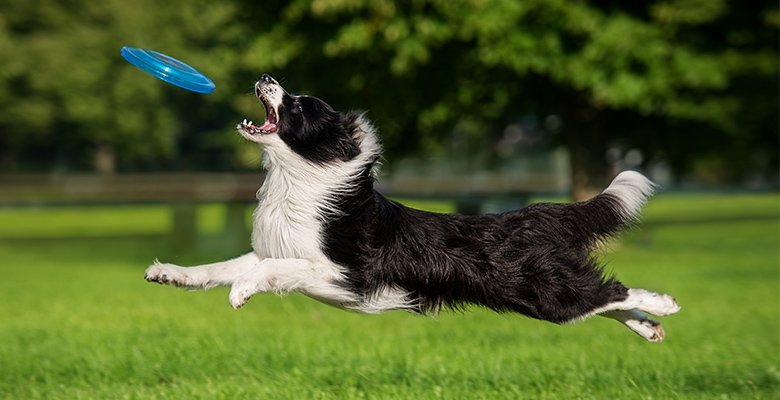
535	261
311	128
321	229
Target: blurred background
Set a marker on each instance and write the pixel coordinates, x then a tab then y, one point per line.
481	105
685	90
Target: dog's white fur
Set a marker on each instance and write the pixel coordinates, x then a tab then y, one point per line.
287	255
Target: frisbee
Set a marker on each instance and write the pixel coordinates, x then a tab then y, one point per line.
168	69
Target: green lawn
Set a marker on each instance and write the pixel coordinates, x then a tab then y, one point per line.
77	320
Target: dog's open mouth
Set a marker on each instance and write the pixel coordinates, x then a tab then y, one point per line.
270	121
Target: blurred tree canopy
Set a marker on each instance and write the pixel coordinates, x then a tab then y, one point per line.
69	101
691	82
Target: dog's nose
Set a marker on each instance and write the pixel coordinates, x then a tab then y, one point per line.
267	78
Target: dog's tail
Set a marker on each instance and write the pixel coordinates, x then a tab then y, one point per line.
616	208
629	191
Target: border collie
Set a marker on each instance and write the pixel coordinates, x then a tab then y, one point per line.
321	229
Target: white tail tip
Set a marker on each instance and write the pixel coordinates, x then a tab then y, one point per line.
632	189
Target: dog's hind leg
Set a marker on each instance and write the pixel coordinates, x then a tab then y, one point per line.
629	312
643	300
202	276
638	322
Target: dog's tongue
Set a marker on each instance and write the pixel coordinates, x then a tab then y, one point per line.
268	126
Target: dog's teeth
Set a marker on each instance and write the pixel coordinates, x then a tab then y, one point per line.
244	121
250	123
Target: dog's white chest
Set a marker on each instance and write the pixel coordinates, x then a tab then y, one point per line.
286	223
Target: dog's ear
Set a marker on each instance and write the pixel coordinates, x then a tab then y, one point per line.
341	135
315	110
340	129
313	129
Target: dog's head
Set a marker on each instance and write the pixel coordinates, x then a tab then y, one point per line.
305	125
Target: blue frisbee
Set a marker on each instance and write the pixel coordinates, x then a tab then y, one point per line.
168	69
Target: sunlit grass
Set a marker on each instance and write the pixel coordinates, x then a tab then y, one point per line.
77	320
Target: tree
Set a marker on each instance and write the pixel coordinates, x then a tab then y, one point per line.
671	64
691	81
67	95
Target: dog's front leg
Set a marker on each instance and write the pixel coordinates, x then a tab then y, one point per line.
202	276
315	279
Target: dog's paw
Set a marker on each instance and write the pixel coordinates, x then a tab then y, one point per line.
167	274
663	305
244	287
639	322
647	328
671	306
653	303
239	295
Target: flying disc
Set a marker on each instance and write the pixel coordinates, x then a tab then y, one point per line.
168	69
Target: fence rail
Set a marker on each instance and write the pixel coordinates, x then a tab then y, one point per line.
470	192
183	191
20	189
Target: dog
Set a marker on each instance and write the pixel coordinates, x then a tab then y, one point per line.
321	229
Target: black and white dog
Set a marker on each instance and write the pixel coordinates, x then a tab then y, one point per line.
322	230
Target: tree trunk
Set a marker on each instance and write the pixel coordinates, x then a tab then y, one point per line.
8	159
586	138
105	158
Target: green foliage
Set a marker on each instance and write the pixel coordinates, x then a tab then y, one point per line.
65	85
666	60
639	59
419	66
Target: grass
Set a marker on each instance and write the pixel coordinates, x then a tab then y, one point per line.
77	320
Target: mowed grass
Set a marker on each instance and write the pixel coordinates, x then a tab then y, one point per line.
77	320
